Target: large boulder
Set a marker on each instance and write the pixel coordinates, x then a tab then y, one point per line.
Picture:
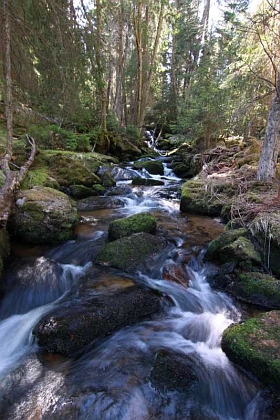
80	191
131	252
70	329
43	215
142	222
255	345
99	203
194	199
68	171
154	167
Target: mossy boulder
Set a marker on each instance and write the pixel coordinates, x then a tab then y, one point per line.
107	180
131	252
241	251
43	215
255	345
80	191
142	222
266	230
99	203
214	251
154	167
4	248
147	182
195	199
68	171
39	178
257	288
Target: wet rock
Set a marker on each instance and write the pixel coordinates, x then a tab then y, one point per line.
120	190
107	180
176	273
4	248
43	215
173	372
142	222
80	191
148	182
257	288
131	252
70	329
154	167
214	251
99	203
255	345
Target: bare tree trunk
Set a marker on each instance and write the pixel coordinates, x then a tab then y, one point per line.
138	36
12	178
270	150
101	81
148	83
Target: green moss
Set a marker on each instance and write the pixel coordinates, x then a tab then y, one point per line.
130	253
255	345
142	222
259	283
224	239
39	178
241	249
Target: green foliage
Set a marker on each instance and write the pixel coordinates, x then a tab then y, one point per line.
132	133
54	137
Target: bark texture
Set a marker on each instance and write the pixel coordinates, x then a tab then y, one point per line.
270	150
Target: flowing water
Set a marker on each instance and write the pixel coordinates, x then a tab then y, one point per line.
111	380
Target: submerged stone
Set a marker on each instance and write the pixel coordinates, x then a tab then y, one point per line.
142	222
173	372
70	329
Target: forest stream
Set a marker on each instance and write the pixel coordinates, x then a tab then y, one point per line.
121	376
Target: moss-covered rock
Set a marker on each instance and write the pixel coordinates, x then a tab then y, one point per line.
142	222
68	171
107	180
80	191
131	252
196	199
4	247
257	288
255	345
154	167
147	182
39	178
224	239
43	215
241	250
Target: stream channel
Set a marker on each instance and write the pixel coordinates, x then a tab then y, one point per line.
110	380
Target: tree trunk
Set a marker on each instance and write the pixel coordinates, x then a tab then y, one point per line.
271	145
146	92
12	178
138	36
